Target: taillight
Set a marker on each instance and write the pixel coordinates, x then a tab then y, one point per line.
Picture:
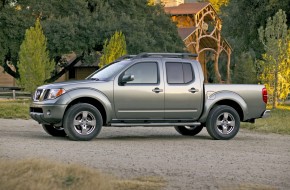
265	95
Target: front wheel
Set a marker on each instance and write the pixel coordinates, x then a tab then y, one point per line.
54	131
223	123
189	130
82	122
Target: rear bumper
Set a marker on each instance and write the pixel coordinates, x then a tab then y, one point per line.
266	114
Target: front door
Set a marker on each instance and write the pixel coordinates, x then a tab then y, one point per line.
143	97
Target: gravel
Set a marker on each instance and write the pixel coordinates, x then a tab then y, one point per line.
250	160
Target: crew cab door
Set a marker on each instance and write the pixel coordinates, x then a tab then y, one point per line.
143	97
183	90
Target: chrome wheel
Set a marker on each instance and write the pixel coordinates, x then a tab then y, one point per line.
225	123
84	123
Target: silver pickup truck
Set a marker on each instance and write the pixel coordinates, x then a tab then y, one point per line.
149	89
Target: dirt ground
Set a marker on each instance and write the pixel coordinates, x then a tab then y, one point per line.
249	161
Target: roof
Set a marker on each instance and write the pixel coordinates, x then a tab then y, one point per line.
186	8
185	32
82	64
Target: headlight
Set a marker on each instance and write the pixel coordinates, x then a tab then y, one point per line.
54	93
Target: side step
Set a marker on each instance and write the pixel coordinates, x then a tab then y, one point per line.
154	124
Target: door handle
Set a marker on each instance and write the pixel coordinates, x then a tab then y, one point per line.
193	90
157	90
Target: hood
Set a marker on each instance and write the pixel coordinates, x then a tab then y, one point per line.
72	84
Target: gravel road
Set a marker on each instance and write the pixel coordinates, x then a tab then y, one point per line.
250	160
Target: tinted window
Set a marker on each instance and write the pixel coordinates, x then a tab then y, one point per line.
144	73
179	73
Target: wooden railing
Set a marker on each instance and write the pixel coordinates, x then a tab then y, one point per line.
13	92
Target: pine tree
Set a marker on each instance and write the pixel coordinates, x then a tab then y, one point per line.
276	60
113	49
34	63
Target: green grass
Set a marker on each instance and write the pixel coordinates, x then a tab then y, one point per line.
11	109
278	122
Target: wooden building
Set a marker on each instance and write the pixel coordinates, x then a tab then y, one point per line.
199	26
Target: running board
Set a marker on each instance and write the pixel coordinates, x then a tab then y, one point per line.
154	124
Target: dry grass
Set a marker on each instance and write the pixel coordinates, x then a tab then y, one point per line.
11	109
40	174
278	122
247	187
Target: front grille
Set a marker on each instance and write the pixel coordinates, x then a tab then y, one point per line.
37	94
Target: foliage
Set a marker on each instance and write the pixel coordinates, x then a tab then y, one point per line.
34	63
242	18
275	65
113	49
217	4
80	27
244	71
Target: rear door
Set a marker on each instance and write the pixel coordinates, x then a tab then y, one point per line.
183	90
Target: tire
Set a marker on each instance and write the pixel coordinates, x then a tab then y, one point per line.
223	123
54	131
82	122
188	130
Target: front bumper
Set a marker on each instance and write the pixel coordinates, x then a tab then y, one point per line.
47	114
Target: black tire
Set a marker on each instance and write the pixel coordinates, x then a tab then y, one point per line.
82	122
189	130
54	131
223	123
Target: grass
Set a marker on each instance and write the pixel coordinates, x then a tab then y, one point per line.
11	109
41	174
278	122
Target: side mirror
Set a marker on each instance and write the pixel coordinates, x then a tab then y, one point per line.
127	78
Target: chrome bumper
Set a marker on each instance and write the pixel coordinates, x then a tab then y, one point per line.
266	114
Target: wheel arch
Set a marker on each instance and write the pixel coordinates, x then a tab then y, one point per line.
94	98
92	102
228	99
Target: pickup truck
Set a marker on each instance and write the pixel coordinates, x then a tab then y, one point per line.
148	89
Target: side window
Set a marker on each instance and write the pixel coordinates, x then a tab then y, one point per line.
144	73
179	73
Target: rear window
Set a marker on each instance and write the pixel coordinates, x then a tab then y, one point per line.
179	73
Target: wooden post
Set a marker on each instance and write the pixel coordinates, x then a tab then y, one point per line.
13	94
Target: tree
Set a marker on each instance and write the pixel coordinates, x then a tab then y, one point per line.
244	71
217	4
241	21
80	26
113	49
275	64
34	63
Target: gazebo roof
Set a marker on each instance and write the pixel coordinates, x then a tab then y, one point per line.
186	8
186	32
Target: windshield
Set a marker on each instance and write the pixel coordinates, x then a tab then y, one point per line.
109	71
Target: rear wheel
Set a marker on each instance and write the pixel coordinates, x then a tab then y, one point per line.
189	130
223	123
82	122
54	131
